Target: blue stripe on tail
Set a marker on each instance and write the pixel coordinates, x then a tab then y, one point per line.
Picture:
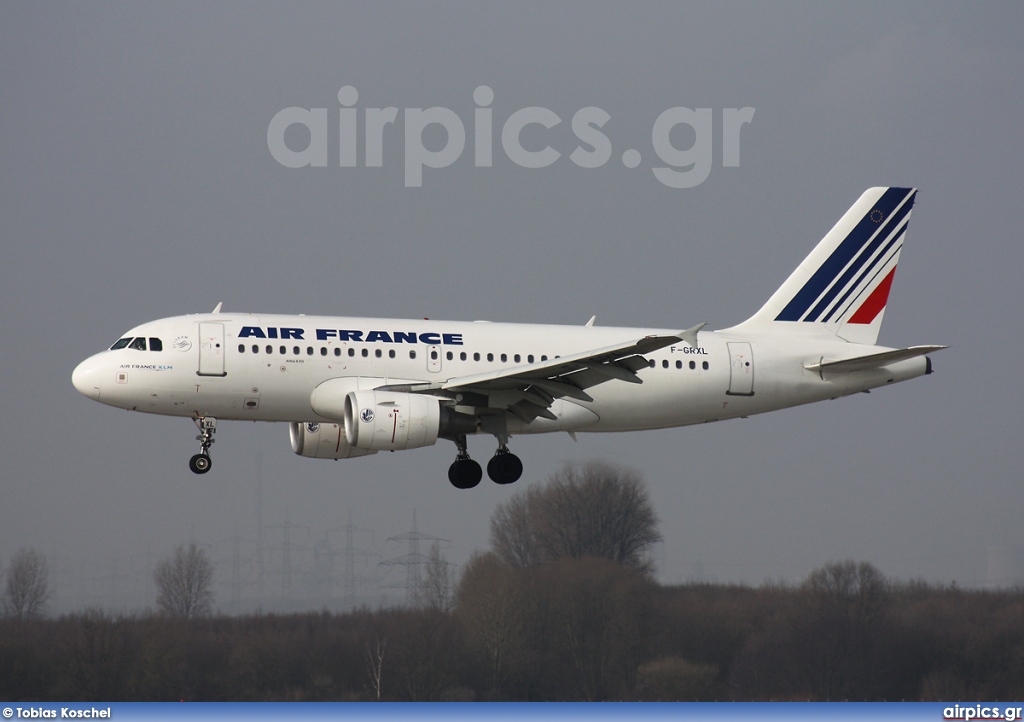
846	251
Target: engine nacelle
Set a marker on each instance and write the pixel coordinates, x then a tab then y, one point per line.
387	420
322	441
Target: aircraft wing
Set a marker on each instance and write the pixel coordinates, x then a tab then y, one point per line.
527	391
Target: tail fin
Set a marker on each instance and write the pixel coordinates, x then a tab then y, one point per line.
842	287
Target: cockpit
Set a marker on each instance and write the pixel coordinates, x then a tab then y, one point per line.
139	343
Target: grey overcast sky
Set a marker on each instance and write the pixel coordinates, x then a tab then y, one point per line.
136	183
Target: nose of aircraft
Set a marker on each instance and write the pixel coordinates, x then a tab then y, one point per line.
85	377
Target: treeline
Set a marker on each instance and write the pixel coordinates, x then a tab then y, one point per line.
563	607
570	629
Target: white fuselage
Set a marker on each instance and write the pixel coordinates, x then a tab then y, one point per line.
266	368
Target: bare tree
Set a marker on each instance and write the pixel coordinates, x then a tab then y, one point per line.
183	583
512	530
855	592
374	658
597	620
590	511
27	587
491	604
99	656
437	588
844	619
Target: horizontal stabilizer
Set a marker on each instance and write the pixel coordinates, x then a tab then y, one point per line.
872	361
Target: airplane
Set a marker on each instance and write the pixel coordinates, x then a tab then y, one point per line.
350	387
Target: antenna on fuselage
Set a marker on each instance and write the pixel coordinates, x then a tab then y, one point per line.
217	309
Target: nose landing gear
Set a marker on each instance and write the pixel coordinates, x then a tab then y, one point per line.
201	463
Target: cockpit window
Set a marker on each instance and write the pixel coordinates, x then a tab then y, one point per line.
122	343
156	344
139	344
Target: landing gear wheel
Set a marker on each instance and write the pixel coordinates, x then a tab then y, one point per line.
200	464
465	473
504	467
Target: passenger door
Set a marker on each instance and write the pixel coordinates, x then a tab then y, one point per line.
211	349
741	369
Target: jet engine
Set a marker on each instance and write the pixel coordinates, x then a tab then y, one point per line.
323	441
387	420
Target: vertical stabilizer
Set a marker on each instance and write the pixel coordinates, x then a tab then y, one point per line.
842	287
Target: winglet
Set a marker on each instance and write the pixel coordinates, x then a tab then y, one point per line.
690	334
217	309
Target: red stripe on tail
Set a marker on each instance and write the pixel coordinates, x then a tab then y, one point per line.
874	304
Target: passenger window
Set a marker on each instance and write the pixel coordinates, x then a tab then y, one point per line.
490	357
693	365
337	352
433	355
704	365
323	350
516	358
664	364
270	349
351	352
255	348
449	356
296	350
476	357
283	350
139	344
241	348
412	354
121	343
504	357
543	358
651	363
462	356
377	353
679	364
366	352
529	359
391	353
156	344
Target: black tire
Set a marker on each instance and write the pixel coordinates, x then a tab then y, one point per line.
504	468
200	463
465	474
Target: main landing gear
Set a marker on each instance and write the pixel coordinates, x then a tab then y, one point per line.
503	468
200	463
464	473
